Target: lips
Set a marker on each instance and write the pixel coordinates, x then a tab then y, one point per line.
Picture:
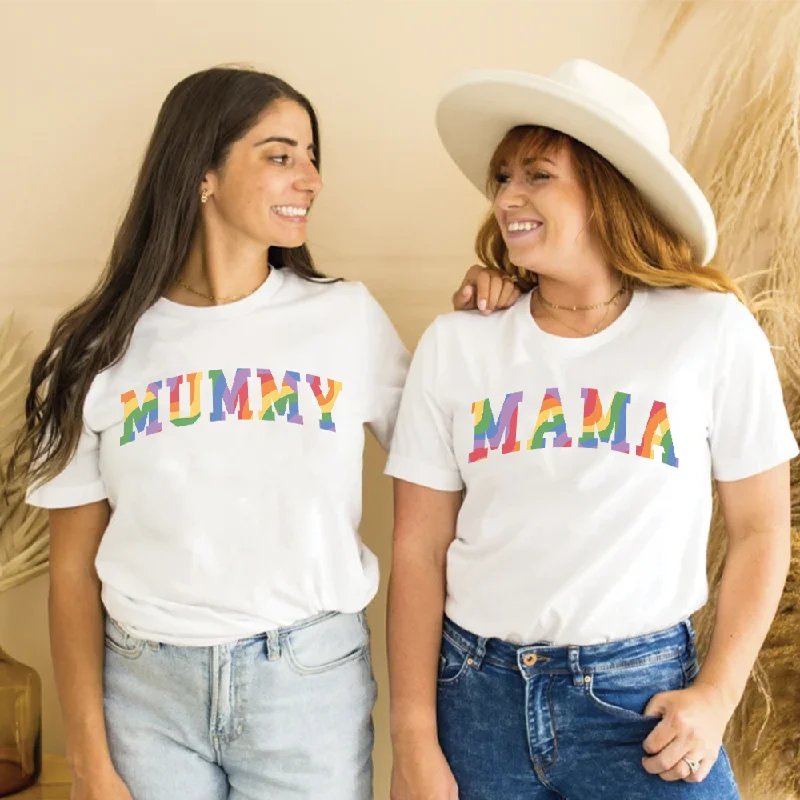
519	228
291	213
523	224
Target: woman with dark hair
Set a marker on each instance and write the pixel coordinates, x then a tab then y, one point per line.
195	427
555	464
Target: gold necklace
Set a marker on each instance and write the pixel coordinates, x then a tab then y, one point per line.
597	327
604	304
220	300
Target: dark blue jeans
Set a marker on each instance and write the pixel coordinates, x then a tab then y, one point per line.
538	721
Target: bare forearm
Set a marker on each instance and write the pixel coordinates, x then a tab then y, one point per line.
77	643
750	589
416	605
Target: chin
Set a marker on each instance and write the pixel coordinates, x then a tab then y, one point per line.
288	242
530	264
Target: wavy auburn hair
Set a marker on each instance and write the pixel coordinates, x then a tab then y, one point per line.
632	236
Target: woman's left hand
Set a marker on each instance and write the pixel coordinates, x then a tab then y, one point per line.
485	289
693	722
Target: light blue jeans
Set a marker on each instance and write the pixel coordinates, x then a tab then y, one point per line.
286	715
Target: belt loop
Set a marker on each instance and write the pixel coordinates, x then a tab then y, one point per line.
480	652
573	654
690	637
273	642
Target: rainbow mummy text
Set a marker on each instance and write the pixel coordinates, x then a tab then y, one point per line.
228	399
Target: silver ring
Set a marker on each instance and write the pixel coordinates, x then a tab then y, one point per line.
693	765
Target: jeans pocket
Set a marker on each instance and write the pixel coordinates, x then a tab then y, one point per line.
625	692
325	645
121	642
453	661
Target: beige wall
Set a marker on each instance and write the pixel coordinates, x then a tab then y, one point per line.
81	85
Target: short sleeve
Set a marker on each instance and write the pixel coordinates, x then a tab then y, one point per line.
422	447
386	369
750	431
80	481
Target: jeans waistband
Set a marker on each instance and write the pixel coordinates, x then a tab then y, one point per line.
574	659
273	639
308	622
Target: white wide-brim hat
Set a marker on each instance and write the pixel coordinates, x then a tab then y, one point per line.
593	105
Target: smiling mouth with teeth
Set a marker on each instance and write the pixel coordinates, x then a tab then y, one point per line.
294	212
515	227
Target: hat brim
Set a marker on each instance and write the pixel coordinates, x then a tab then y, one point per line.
475	114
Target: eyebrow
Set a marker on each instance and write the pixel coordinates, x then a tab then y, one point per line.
282	140
540	158
528	161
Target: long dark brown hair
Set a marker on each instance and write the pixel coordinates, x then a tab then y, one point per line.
200	120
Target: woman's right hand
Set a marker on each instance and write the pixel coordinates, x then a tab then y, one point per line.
104	786
421	772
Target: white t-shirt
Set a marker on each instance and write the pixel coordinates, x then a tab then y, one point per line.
228	441
587	462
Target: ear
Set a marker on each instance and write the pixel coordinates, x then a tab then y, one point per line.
210	182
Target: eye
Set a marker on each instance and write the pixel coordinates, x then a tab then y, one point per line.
282	159
502	178
539	175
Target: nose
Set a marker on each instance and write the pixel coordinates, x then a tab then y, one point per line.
309	180
511	195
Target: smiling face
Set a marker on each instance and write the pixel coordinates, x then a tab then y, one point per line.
540	205
269	179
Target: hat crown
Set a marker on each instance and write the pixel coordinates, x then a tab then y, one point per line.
604	111
617	96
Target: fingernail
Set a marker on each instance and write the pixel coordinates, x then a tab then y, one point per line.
482	305
466	291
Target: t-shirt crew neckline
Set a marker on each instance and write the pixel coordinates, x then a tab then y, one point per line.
258	298
581	344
